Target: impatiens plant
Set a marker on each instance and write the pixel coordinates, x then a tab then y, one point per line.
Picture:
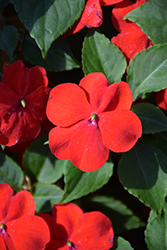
91	119
19	227
23	103
72	229
83	124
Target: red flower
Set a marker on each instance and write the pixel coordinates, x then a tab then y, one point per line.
92	15
131	38
91	119
72	229
23	102
19	227
161	98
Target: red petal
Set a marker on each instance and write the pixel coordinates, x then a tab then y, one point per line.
103	96
29	232
109	2
87	151
131	41
6	195
8	100
120	129
161	98
21	204
94	231
18	126
13	207
61	224
2	243
36	102
59	139
92	15
67	105
120	10
23	80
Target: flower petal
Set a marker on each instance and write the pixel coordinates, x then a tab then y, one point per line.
6	194
94	231
103	96
59	139
92	15
131	41
67	105
8	100
2	243
109	2
29	232
161	99
87	151
36	102
120	10
14	206
120	129
23	80
19	125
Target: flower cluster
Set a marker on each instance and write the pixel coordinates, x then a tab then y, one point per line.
69	227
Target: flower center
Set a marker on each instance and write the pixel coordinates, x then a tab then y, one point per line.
3	228
23	103
93	119
70	245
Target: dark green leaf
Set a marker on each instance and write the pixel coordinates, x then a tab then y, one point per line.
59	57
100	55
121	244
45	196
162	142
156	231
8	39
10	172
47	20
152	18
78	183
152	118
143	172
122	217
40	164
147	71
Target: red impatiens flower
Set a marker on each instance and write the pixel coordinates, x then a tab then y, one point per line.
91	119
72	229
161	98
92	15
22	103
19	227
131	38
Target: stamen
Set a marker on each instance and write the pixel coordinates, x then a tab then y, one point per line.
23	103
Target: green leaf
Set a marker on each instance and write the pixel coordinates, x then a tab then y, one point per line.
100	55
78	183
121	244
152	118
47	20
152	18
8	39
10	173
147	71
122	217
45	196
156	231
59	57
40	164
143	172
162	142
